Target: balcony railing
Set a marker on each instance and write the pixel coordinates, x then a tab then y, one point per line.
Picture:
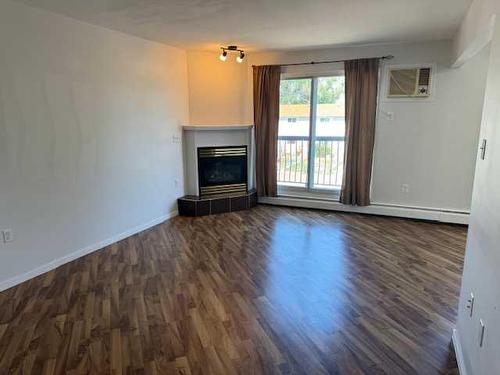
293	161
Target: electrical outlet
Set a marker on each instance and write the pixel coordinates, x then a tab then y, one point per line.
389	115
405	188
176	182
470	304
8	236
176	138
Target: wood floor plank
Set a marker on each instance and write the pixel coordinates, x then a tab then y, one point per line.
270	290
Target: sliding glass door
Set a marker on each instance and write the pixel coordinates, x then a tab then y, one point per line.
311	133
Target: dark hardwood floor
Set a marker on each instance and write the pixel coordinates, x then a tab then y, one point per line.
269	290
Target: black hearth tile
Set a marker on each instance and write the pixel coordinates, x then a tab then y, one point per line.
186	207
202	208
252	198
239	203
219	205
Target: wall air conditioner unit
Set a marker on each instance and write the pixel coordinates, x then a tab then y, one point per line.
409	82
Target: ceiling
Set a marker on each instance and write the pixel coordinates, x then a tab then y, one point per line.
268	24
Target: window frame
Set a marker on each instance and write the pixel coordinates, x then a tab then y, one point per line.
310	191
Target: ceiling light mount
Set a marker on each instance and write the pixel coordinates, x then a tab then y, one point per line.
225	50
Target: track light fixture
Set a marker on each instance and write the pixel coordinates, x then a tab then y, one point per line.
239	58
223	55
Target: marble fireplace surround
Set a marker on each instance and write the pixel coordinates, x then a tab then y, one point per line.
195	136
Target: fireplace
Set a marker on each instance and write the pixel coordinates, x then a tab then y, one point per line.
219	168
222	170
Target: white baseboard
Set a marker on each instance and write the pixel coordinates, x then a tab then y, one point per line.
455	339
424	213
9	283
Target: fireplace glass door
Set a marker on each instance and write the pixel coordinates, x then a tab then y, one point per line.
222	170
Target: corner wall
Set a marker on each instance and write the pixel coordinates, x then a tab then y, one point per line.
87	119
481	275
482	259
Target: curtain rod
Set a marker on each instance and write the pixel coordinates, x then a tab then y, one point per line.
387	57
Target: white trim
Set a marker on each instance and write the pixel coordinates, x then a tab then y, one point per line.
9	283
435	214
216	127
312	70
313	108
455	339
290	191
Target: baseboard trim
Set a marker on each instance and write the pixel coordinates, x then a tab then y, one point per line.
455	339
445	216
13	281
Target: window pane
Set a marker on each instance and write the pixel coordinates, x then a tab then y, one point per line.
295	107
330	130
330	112
293	131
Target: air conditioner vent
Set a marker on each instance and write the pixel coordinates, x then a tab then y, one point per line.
425	77
409	82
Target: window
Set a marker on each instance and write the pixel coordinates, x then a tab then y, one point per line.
311	148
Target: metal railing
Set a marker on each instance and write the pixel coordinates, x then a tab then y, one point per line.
293	161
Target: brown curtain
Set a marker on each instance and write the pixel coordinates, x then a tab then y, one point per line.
361	78
266	93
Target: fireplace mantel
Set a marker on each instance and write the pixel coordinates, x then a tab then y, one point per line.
195	136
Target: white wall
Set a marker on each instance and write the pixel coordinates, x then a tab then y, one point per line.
87	117
482	260
217	90
430	145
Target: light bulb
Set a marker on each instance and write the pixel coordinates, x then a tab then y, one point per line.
223	56
240	57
